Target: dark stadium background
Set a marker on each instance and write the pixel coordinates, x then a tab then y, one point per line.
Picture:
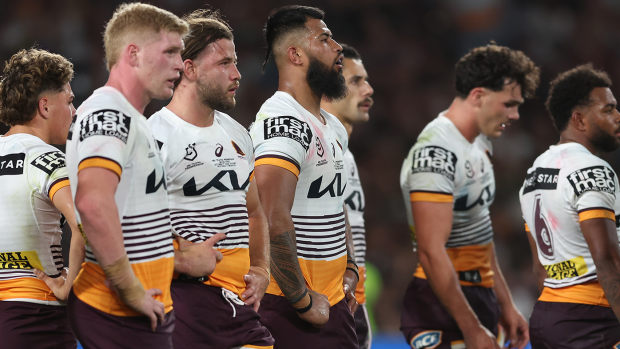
409	49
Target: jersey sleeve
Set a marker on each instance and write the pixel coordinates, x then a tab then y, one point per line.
281	141
431	172
103	137
49	172
592	191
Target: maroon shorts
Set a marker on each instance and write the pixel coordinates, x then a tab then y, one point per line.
425	321
362	327
290	331
96	329
206	317
34	326
571	325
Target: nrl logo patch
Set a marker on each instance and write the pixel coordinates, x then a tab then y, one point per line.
190	152
426	340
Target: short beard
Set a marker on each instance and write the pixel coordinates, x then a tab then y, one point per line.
214	96
604	141
326	82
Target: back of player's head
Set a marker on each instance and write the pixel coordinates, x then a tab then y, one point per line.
572	89
350	52
287	20
133	21
27	75
493	66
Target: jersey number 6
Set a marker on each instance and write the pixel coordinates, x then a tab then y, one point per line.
544	238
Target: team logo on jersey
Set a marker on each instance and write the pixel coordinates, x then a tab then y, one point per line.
106	122
288	126
315	192
237	148
218	149
320	151
436	160
541	179
544	236
426	340
49	162
190	152
469	169
567	269
595	178
12	164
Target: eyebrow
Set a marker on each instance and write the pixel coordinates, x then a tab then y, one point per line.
326	33
612	105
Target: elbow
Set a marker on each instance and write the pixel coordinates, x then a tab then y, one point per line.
86	205
424	257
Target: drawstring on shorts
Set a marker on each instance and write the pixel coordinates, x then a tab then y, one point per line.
232	297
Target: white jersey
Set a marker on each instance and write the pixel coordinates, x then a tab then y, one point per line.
567	185
354	199
443	166
31	172
208	171
287	135
109	132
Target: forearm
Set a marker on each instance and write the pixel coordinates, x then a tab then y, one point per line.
609	278
349	237
259	240
504	298
444	281
284	263
76	254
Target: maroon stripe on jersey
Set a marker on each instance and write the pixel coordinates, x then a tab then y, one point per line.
430	192
198	220
151	256
177	216
321	223
322	255
311	236
146	214
279	157
320	230
165	224
319	217
304	242
150	241
176	212
144	222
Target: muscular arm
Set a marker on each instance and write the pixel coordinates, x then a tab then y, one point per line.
602	239
539	271
350	278
433	222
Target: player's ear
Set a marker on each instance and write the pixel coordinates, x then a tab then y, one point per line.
579	121
189	69
131	54
43	107
295	55
475	96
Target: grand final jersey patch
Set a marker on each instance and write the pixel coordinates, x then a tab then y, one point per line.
595	178
106	122
49	162
288	126
436	160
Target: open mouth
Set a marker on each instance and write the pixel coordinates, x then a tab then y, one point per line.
338	61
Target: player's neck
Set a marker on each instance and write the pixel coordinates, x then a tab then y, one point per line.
124	80
574	136
34	127
186	104
464	118
303	94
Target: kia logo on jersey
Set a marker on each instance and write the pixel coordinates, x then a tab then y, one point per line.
218	150
190	152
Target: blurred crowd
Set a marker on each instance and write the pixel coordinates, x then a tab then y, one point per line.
409	48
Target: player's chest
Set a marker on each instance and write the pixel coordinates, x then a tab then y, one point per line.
474	181
324	172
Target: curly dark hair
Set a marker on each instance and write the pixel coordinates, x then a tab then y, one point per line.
572	89
285	20
491	66
27	75
350	52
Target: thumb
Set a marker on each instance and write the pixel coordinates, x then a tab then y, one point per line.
215	239
247	278
40	275
182	243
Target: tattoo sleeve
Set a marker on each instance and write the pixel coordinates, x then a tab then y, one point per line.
285	266
349	236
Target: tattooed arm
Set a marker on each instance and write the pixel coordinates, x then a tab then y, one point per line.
276	191
602	239
351	274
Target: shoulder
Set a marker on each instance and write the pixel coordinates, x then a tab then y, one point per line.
106	113
161	125
44	157
338	127
484	142
235	130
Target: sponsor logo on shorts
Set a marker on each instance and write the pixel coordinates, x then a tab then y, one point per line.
616	346
436	160
595	178
426	340
567	269
49	162
190	152
288	126
541	179
472	276
12	164
20	260
106	122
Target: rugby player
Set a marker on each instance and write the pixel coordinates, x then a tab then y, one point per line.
569	200
458	294
209	163
351	110
119	189
37	102
301	178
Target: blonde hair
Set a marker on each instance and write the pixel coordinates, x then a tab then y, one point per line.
137	19
27	75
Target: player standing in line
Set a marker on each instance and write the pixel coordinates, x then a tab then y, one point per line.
570	199
37	102
458	291
119	189
301	180
351	110
209	163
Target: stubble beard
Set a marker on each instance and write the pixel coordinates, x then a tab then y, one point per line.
603	140
215	96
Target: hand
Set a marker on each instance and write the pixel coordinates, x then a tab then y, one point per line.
517	329
318	315
349	283
198	259
480	338
255	287
58	285
145	305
